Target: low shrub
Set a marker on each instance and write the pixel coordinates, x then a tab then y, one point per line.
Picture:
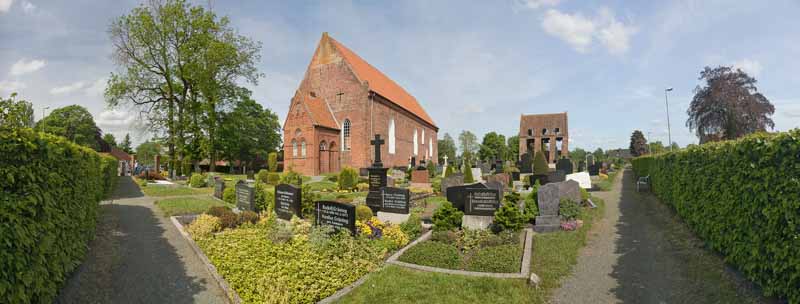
273	178
307	201
501	238
262	175
431	169
446	236
568	209
272	161
436	184
502	258
197	180
584	194
412	227
348	179
280	232
508	217
363	213
362	187
447	217
395	237
204	226
292	178
217	211
229	195
434	254
248	217
264	198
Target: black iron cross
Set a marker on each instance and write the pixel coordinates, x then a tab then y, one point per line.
377	142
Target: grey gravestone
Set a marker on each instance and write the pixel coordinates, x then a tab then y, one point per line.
245	196
556	176
483	202
503	178
219	188
486	168
496	185
458	195
594	170
335	214
498	166
548	219
287	201
570	190
396	200
210	180
453	180
526	163
589	160
564	164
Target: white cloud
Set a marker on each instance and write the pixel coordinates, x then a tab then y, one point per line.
28	7
5	5
97	88
534	4
579	31
749	66
574	29
8	87
115	120
24	66
68	88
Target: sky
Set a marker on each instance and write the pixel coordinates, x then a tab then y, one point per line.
473	65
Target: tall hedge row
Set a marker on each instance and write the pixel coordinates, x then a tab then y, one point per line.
743	198
51	188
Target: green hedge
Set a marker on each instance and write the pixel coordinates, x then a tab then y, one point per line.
48	209
743	198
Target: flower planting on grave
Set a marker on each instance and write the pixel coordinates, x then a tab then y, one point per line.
51	188
741	198
466	249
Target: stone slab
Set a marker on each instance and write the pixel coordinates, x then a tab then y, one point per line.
477	175
583	179
476	221
394	218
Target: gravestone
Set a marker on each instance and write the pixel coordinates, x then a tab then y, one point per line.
502	178
556	176
287	201
581	166
589	160
515	176
569	190
219	188
395	208
420	177
594	169
481	205
564	164
526	163
496	185
485	167
583	179
377	177
458	195
245	196
335	214
477	175
456	179
548	219
498	166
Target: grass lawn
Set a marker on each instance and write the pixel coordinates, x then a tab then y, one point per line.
319	186
554	255
187	205
332	196
606	184
174	190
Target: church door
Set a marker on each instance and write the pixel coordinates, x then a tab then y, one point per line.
328	157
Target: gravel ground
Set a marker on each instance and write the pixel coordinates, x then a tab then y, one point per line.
138	256
642	253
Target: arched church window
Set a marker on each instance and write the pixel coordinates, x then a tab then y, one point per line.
323	146
430	147
346	135
391	137
303	148
294	148
416	143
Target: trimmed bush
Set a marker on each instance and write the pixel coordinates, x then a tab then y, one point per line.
229	195
431	169
273	178
447	217
449	171
508	217
292	178
741	198
363	213
264	198
434	254
204	226
48	210
468	178
348	179
248	217
272	161
262	176
197	180
540	164
412	227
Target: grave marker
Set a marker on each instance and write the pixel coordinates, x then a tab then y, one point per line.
458	195
245	196
335	214
377	177
288	199
482	202
219	188
396	200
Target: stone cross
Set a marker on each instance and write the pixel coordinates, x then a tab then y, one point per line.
445	160
377	142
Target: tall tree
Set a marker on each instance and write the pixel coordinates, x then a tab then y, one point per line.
125	145
578	154
728	106
512	151
147	151
493	146
15	113
468	142
176	62
249	132
638	144
75	123
599	155
657	147
446	146
110	139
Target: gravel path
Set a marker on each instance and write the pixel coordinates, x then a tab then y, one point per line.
138	256
641	253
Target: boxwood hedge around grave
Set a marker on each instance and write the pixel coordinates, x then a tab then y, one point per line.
48	209
742	198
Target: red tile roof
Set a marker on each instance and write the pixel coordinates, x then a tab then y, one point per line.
381	84
320	113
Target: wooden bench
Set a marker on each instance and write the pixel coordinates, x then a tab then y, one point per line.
643	181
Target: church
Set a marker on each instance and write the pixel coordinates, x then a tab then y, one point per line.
341	103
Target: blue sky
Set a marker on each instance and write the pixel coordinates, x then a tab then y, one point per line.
474	65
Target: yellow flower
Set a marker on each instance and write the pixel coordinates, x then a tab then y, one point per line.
363	229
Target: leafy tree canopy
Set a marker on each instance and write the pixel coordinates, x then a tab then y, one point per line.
109	139
15	113
250	132
468	143
446	146
125	145
638	144
73	122
512	150
493	147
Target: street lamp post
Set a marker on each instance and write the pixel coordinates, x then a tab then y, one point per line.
669	129
43	113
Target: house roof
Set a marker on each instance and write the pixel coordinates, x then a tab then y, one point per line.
320	113
381	84
119	154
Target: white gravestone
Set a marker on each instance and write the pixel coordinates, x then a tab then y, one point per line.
583	179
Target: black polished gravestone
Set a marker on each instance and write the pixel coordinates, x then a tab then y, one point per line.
335	214
482	202
219	187
245	196
594	170
377	177
556	176
526	163
396	200
457	195
564	164
287	201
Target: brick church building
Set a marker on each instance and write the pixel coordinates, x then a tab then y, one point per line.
342	102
